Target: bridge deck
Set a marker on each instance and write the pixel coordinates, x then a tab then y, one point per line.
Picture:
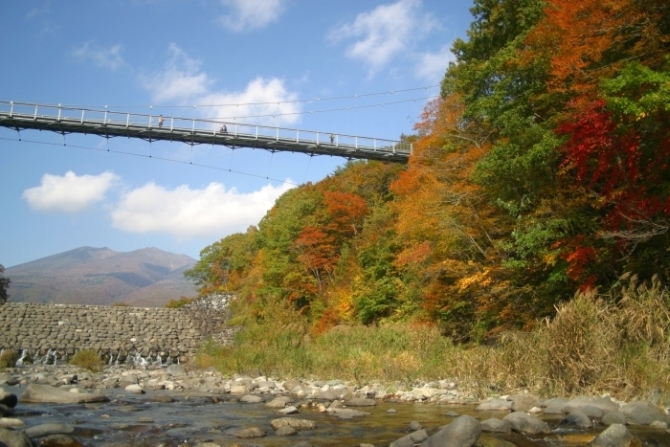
192	131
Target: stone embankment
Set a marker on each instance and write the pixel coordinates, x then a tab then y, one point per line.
113	331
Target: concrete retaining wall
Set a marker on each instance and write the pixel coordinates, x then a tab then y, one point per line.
113	330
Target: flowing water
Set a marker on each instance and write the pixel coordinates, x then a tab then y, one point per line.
138	420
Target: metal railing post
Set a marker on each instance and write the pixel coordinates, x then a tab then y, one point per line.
317	138
171	124
356	142
82	117
35	115
277	133
127	120
297	136
11	108
193	126
59	112
257	132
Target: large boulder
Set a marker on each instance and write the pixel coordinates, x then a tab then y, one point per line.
8	399
495	425
642	413
524	402
616	435
578	418
41	430
554	405
48	394
12	438
461	432
360	402
494	405
525	423
604	403
411	439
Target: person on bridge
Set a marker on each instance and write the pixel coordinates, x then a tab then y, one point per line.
160	121
332	138
224	129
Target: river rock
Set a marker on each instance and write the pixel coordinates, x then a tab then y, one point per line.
298	424
8	399
414	426
245	433
616	435
360	402
286	431
411	439
346	413
606	404
15	438
289	410
495	425
461	432
289	385
251	399
524	402
527	424
60	441
276	403
48	394
642	413
578	418
554	405
135	389
494	405
11	422
175	370
613	417
5	410
48	429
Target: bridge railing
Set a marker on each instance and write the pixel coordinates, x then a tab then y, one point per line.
86	116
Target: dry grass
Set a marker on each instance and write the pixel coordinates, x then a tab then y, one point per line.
617	344
8	358
89	359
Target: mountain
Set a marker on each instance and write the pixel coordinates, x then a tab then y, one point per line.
147	277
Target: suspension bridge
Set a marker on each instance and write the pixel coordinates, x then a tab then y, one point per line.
193	131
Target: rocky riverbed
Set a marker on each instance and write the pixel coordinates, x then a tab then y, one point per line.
62	405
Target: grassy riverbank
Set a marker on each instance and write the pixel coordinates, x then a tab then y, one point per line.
616	343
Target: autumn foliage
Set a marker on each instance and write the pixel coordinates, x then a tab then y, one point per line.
541	170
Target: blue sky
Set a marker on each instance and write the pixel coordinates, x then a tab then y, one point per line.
204	59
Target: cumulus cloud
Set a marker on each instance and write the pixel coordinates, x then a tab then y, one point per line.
102	57
183	81
251	14
432	66
70	193
184	212
384	32
182	78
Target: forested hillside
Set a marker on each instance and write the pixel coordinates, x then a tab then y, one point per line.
542	170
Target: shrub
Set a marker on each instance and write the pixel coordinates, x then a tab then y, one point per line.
8	358
181	302
89	359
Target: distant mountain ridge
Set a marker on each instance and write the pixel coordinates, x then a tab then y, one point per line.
148	277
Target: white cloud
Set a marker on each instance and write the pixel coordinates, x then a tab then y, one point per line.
70	193
384	32
184	212
250	14
102	57
185	82
38	11
181	79
433	65
272	93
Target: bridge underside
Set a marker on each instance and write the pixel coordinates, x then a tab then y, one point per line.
198	136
